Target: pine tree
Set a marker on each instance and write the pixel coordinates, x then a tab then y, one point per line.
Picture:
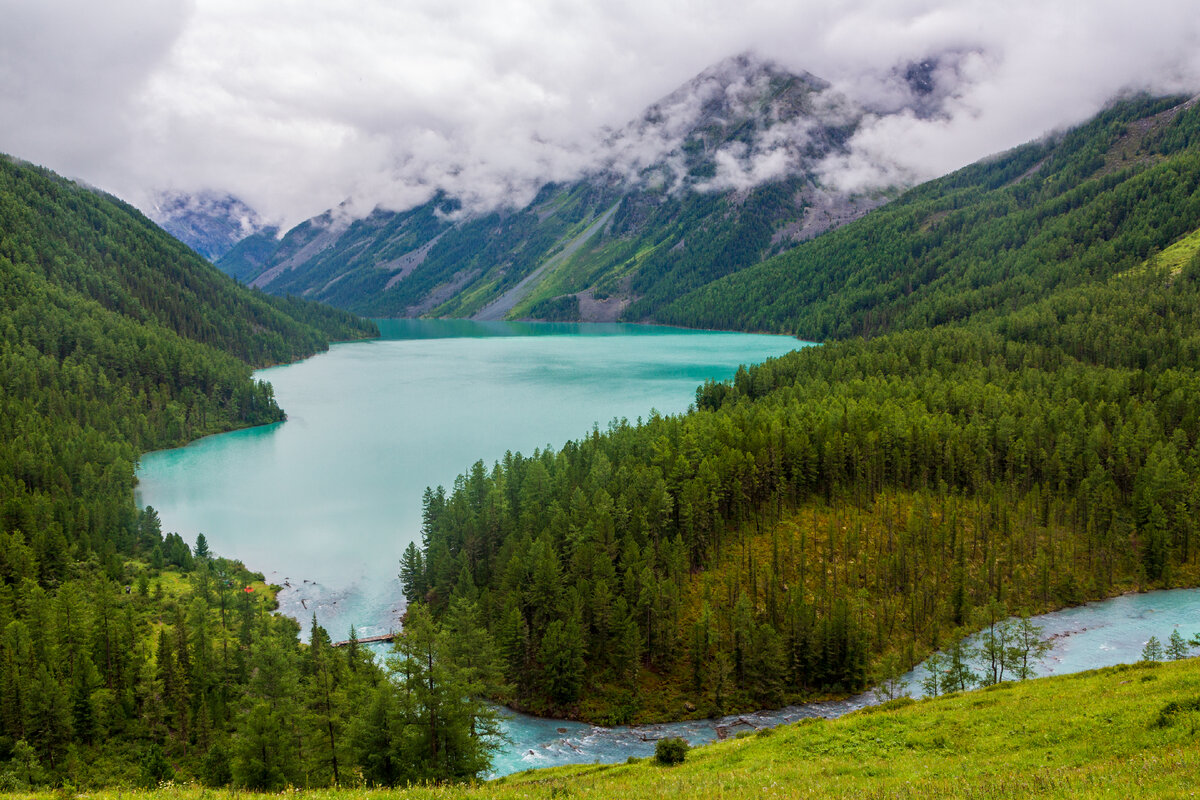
376	737
768	665
215	770
324	679
721	679
1177	648
260	750
412	573
704	641
453	732
743	627
1153	651
562	658
155	767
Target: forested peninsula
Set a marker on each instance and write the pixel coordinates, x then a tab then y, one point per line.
1002	421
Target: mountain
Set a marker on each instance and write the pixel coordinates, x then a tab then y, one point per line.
713	178
1067	210
209	223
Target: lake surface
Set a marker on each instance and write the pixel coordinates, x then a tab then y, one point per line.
325	502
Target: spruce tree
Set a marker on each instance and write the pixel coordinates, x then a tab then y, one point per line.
1177	648
1153	651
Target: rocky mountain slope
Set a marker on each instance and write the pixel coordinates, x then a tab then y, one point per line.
715	177
209	223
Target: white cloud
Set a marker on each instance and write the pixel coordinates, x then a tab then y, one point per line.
297	106
71	75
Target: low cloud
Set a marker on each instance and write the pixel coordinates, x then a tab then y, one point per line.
367	103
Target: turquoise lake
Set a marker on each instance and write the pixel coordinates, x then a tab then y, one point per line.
325	502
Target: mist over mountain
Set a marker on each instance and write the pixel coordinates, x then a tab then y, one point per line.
740	162
208	222
387	105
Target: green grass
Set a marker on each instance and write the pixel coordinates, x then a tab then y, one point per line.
1173	258
1179	253
1096	734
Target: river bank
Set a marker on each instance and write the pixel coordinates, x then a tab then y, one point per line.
1099	634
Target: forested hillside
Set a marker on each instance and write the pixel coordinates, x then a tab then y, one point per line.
117	340
125	658
1071	210
1025	438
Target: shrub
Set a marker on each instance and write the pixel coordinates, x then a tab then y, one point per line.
1169	712
670	751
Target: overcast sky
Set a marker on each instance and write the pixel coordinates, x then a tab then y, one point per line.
297	105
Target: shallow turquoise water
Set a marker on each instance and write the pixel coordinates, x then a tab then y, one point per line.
326	501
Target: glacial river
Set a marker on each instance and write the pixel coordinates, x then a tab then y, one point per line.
1086	637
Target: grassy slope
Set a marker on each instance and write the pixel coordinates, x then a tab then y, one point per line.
1094	734
1178	254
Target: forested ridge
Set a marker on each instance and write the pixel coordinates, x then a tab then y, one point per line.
125	658
1020	433
1070	210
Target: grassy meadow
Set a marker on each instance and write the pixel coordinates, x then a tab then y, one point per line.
1118	732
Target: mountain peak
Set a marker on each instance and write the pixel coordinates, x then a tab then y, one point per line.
743	121
210	223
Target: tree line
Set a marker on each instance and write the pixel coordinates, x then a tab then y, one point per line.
185	674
